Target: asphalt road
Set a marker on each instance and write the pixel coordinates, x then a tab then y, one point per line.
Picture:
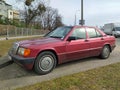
13	76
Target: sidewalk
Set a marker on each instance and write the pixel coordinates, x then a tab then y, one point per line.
4	59
20	37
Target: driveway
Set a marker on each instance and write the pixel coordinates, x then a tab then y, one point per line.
13	76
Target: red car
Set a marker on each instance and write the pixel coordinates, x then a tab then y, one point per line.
61	45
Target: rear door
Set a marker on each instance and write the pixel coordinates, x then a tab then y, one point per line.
95	40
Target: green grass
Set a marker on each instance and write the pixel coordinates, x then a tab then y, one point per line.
5	45
3	36
105	78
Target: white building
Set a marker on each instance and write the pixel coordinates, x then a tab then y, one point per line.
10	14
4	8
13	15
16	15
6	11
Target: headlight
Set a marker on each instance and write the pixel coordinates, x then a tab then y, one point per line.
23	51
14	48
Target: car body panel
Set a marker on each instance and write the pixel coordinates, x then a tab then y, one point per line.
66	50
96	45
77	49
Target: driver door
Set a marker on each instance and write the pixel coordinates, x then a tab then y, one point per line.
78	48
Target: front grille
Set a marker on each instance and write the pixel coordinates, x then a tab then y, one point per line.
14	48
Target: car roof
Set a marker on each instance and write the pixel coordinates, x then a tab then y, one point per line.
80	26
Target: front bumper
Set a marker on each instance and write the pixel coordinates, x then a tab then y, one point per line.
24	62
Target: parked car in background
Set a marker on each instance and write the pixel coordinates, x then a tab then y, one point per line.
61	45
112	29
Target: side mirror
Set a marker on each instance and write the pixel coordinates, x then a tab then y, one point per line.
71	38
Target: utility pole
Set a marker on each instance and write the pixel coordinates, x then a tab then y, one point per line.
76	17
82	21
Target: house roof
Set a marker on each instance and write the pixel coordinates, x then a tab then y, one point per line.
3	1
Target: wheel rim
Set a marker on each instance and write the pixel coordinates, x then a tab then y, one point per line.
46	63
106	52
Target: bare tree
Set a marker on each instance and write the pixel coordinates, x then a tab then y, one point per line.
32	9
51	19
58	21
38	12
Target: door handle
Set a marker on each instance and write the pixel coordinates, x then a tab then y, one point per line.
86	40
102	38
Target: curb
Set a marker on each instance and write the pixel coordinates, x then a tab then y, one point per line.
5	61
6	64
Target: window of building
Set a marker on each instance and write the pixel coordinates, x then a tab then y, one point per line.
10	13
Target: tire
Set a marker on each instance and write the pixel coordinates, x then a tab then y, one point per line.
45	63
105	52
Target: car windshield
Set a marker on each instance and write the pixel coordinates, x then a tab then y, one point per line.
59	32
117	28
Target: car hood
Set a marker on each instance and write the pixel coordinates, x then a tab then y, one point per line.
42	41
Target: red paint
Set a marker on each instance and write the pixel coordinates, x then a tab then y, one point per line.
69	50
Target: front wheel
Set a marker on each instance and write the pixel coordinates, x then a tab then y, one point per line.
45	63
105	52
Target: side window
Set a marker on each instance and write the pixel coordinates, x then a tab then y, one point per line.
93	33
79	33
98	34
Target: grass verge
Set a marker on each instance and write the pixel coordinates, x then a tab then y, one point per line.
105	78
5	45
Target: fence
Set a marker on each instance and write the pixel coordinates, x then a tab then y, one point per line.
21	32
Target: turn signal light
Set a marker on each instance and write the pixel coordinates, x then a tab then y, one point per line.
26	52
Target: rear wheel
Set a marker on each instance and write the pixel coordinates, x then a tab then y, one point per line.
45	63
105	52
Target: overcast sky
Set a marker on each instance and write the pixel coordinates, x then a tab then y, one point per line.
96	12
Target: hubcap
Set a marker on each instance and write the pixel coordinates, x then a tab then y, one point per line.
106	52
46	63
